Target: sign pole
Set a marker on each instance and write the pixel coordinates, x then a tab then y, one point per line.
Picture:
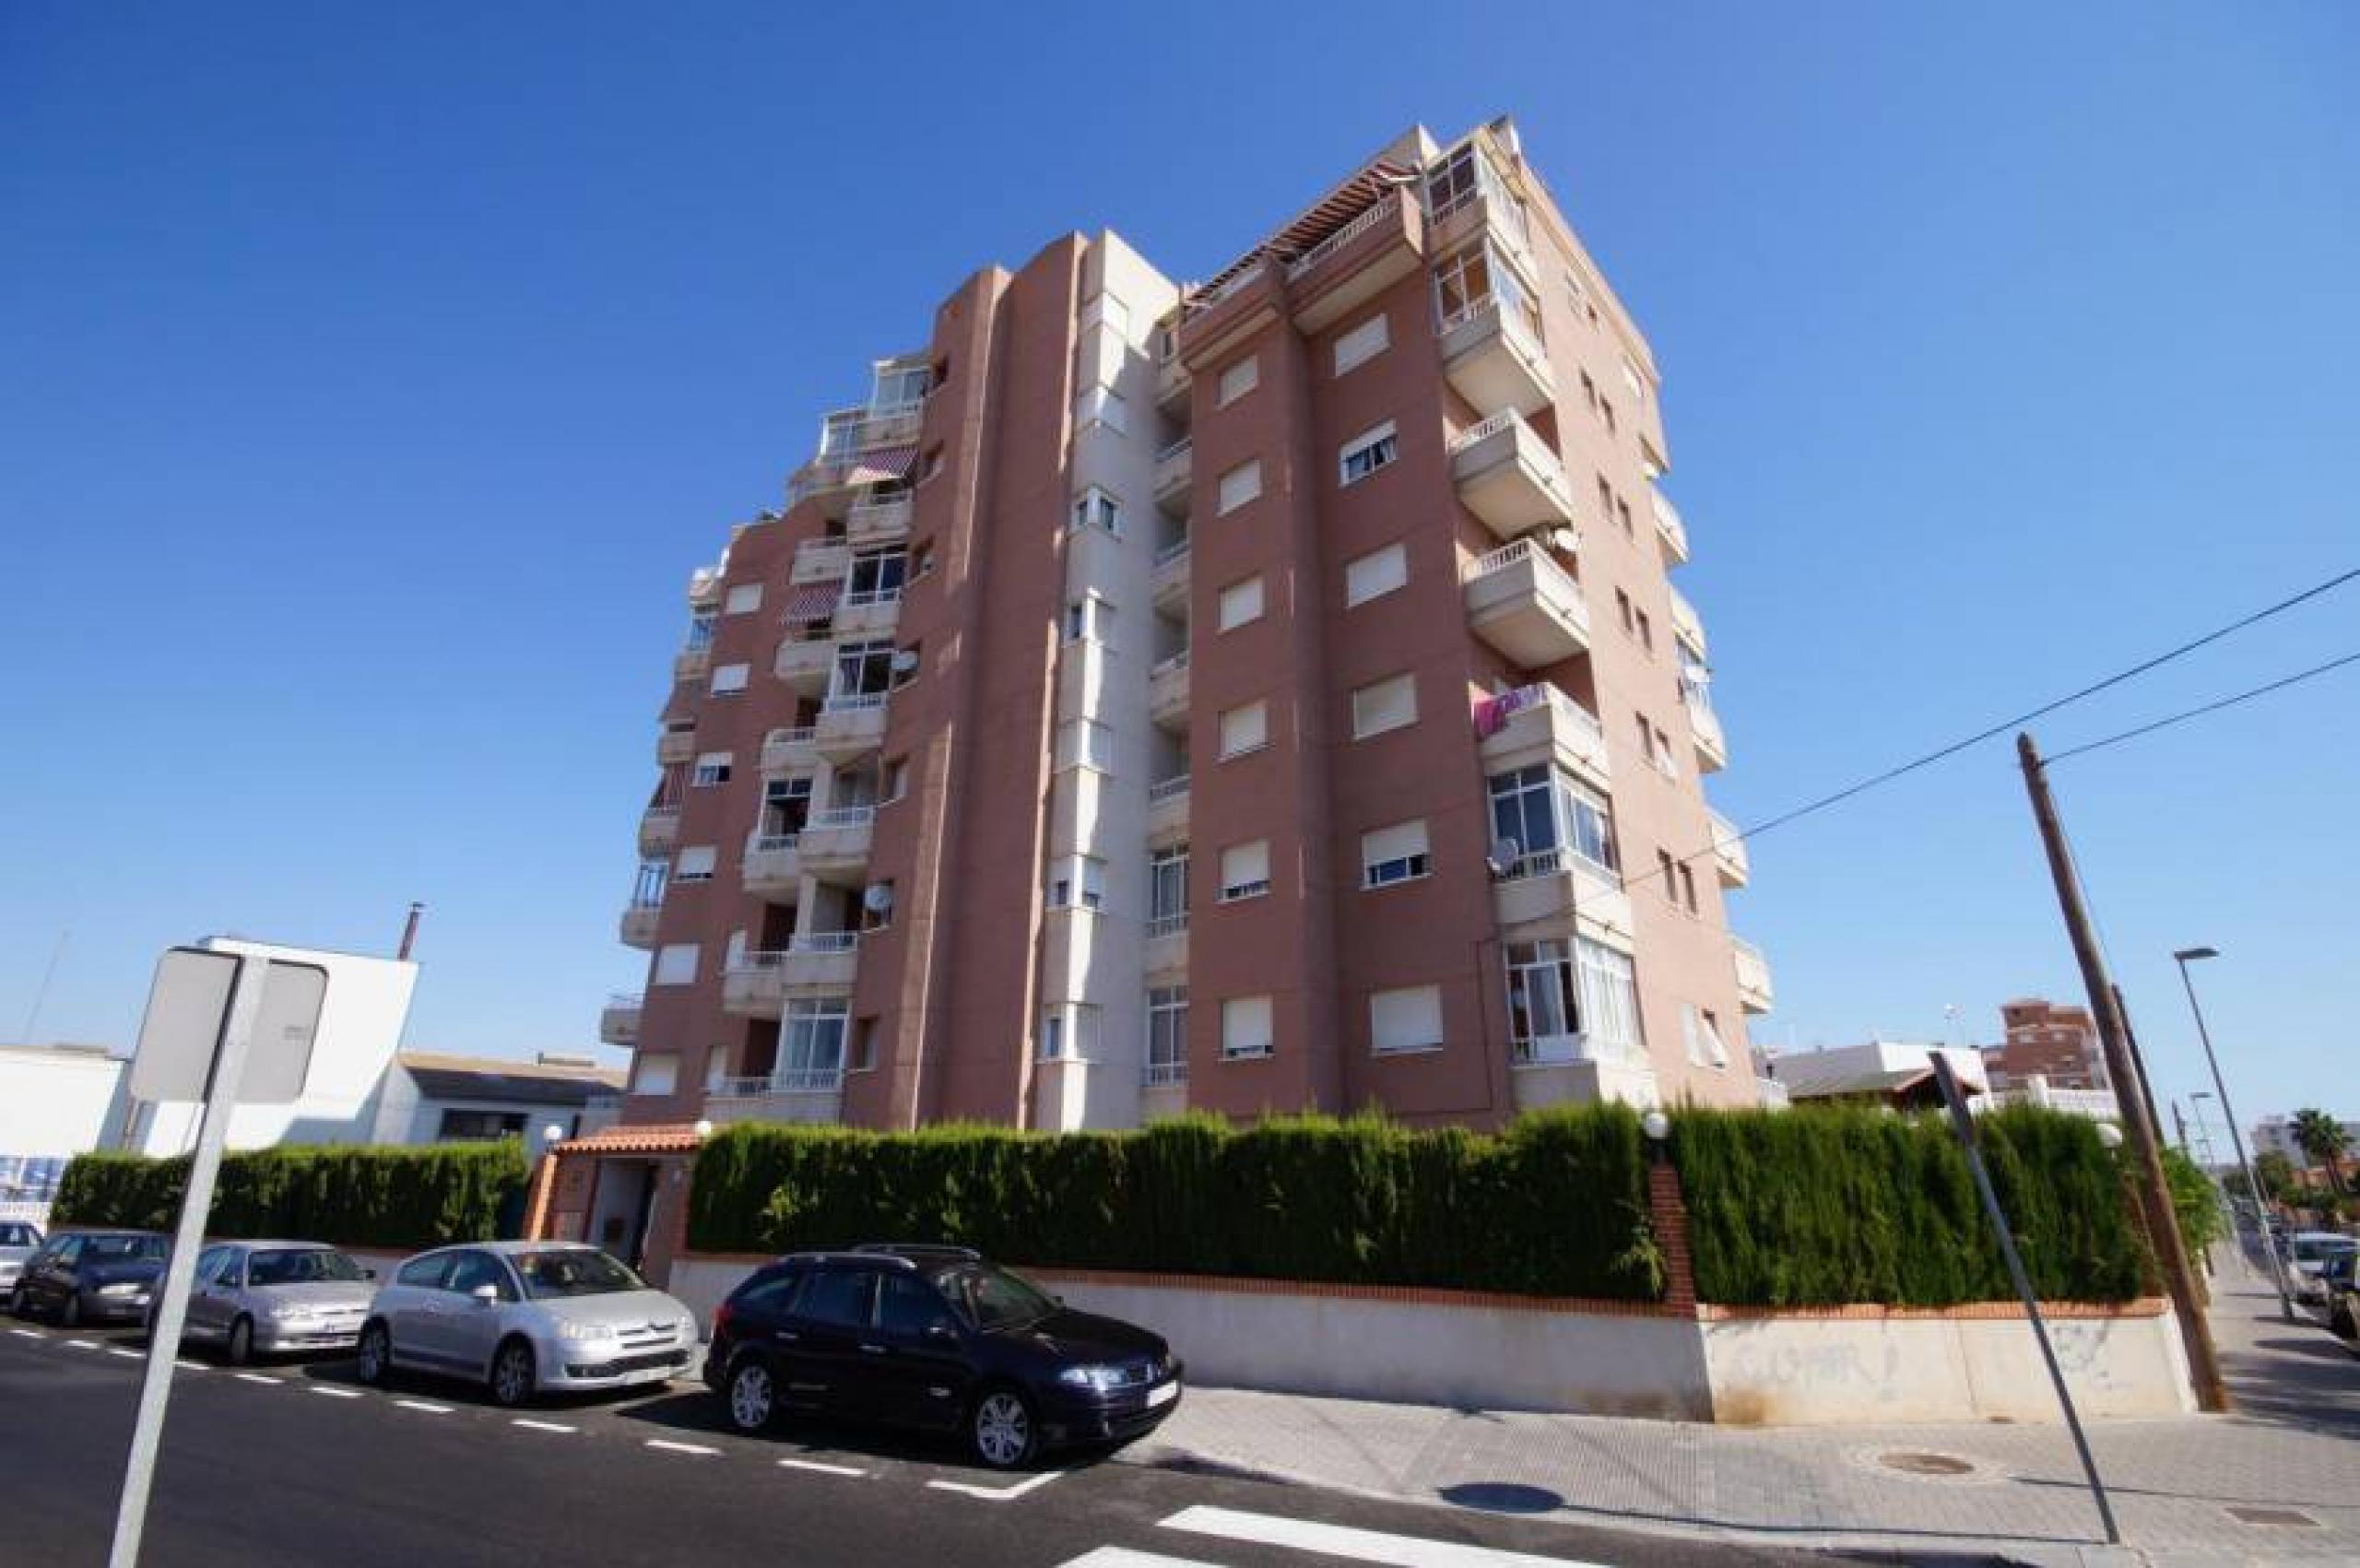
221	1082
1962	1124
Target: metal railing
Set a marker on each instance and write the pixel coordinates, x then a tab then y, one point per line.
1176	450
1168	925
656	815
1387	206
853	702
1553	1050
891	596
625	1001
1173	664
1510	320
1560	858
771	844
786	1080
1167	789
840	817
824	942
1176	550
1165	1075
789	737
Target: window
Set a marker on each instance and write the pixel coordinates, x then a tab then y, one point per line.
473	1126
897	780
930	464
1239	486
1100	406
1605	412
712	769
1362	343
728	679
876	577
700	631
864	1045
1246	1027
863	670
1398	854
1644	629
1081	875
1068	1033
1168	1035
1245	871
1236	381
1544	812
1579	295
1085	743
1366	452
1385	705
1702	1036
647	888
426	1273
1623	608
1374	574
744	599
922	560
900	387
1622	515
840	1297
1609	998
1239	603
654	1072
695	863
1090	618
676	964
1477	279
811	1043
1244	729
1664	870
904	665
1167	891
1605	500
1589	390
1569	1001
1097	509
1631	379
1408	1019
1688	886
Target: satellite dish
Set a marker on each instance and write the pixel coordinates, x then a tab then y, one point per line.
904	660
1504	853
1566	541
878	899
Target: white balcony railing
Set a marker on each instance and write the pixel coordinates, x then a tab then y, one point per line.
1173	664
1551	862
1167	789
891	596
1165	1075
786	1080
1176	550
1168	925
1176	450
772	843
1386	208
1502	558
853	702
824	942
1483	430
624	1001
840	816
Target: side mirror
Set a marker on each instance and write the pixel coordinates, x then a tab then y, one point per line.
486	1294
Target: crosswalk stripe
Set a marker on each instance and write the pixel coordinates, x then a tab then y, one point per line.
539	1426
1343	1541
336	1393
257	1377
1124	1557
821	1469
190	1366
670	1447
422	1405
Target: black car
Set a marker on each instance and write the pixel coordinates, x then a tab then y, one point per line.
88	1276
938	1340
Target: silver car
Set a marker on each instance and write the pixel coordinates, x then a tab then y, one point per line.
276	1297
18	1240
526	1318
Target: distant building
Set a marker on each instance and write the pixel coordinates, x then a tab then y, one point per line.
1888	1072
2048	1041
55	1101
2275	1135
436	1099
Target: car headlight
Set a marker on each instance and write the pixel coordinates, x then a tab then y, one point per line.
1098	1379
122	1288
584	1331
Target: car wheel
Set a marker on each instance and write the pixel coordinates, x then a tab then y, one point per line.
376	1353
70	1314
241	1341
511	1374
1001	1430
753	1396
17	1306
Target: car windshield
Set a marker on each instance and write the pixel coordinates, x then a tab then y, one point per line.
993	1298
118	1249
2310	1249
16	1235
573	1272
305	1266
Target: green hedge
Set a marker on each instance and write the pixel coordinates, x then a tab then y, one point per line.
1819	1207
1555	1205
352	1194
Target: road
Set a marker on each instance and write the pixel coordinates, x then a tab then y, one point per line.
301	1465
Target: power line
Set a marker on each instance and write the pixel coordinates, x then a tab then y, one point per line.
2185	714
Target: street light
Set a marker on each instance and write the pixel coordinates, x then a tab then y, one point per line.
2237	1140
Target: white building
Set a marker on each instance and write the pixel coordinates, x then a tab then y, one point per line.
2275	1135
434	1099
55	1101
1895	1070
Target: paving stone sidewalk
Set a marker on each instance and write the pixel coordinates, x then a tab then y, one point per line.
2294	1449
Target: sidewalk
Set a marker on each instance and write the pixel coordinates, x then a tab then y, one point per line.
2295	1446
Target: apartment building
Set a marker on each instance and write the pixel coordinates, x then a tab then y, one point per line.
2051	1040
1263	694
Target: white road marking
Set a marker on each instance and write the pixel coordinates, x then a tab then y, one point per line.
327	1393
81	1344
670	1447
422	1405
191	1366
1343	1540
126	1355
822	1470
542	1426
996	1493
257	1377
28	1334
1124	1557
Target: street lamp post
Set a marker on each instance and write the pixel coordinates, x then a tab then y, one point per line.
2237	1140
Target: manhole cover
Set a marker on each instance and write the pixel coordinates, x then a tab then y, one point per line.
1922	1464
2272	1517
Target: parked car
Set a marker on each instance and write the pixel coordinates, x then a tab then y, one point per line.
18	1240
2338	1302
90	1276
2308	1253
938	1340
273	1298
526	1317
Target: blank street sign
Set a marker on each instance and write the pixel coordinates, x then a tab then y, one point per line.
184	1022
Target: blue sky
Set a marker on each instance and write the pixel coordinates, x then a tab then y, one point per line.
371	379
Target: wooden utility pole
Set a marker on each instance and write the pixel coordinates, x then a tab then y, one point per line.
2154	1197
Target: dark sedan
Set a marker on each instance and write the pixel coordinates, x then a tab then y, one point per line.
87	1276
937	1339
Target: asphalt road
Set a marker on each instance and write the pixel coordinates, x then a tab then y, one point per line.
300	1465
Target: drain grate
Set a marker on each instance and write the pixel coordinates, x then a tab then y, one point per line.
1917	1463
2273	1516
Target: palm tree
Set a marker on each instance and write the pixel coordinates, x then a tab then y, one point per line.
2321	1136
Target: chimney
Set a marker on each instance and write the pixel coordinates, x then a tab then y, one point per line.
409	931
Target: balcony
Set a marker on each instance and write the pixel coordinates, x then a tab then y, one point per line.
692	663
1523	604
1541	724
1173	387
1357	262
1167	948
1167	691
659	830
705	586
1495	360
820	560
1486	210
835	842
1686	624
1566	1070
1169	585
1753	991
637	927
618	1019
1705	728
1167	811
809	1094
1175	472
1670	532
806	661
1730	856
1553	893
790	750
870	612
878	522
851	725
759	984
773	866
1507	476
675	745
